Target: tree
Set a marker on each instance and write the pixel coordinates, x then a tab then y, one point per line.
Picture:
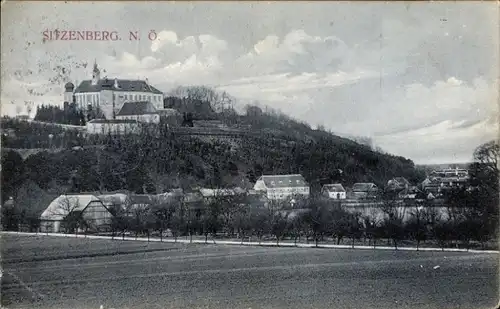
297	225
341	223
261	222
485	183
318	218
279	224
355	227
441	230
417	225
13	173
242	222
74	221
393	221
69	209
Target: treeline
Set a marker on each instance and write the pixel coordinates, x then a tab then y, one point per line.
30	135
320	221
54	114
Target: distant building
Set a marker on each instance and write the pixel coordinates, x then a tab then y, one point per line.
214	193
109	95
398	183
88	206
139	111
113	126
138	203
170	116
411	192
442	180
364	190
334	191
280	187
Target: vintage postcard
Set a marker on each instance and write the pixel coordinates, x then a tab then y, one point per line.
237	155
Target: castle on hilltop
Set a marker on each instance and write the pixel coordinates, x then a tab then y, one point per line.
108	96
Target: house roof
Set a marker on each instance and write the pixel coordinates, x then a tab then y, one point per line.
336	187
220	192
363	187
123	85
113	199
140	199
401	180
168	112
137	108
65	204
282	181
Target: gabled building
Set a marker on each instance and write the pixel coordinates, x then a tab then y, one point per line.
364	190
410	193
280	187
139	111
334	191
138	203
86	206
398	183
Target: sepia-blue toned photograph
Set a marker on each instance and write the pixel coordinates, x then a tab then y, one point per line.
249	155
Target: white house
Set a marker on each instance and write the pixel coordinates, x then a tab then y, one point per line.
334	191
110	94
89	206
113	126
280	187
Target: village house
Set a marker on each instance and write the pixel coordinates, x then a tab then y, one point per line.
364	190
442	180
398	184
411	192
138	203
114	201
281	187
85	206
334	191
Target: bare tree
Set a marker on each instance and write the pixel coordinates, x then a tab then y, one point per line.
68	208
417	225
279	224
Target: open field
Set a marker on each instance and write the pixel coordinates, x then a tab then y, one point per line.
58	272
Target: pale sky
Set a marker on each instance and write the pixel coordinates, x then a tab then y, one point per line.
419	78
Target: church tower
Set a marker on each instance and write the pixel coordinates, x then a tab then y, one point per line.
96	74
68	93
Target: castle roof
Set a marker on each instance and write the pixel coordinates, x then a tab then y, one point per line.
123	85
